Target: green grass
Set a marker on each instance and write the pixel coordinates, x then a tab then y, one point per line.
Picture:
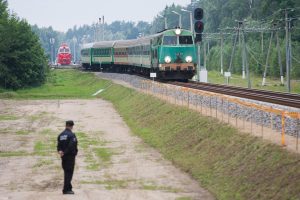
273	84
14	153
45	148
43	162
184	198
7	117
229	164
23	132
61	84
160	187
104	154
95	155
109	184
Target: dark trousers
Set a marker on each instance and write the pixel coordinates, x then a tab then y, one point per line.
68	163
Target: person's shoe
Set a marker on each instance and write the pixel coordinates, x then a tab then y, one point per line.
68	192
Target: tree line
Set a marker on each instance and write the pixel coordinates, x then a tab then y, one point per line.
218	15
22	59
260	18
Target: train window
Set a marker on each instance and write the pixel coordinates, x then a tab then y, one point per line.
155	53
159	40
170	40
85	52
67	50
185	40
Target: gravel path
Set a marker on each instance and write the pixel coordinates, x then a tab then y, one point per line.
134	171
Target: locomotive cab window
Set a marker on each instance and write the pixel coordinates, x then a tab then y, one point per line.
185	40
170	40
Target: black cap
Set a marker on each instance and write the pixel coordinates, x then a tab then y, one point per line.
69	123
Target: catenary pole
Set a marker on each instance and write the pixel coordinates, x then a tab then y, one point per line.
287	51
267	61
279	57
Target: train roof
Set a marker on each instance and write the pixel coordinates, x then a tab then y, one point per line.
87	46
104	44
132	42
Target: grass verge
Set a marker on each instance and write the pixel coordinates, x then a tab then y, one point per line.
61	84
273	84
229	164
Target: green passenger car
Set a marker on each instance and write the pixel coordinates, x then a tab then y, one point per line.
102	55
86	55
171	54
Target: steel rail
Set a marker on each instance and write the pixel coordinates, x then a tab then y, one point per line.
285	99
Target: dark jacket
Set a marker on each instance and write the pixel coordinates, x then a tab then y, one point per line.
67	143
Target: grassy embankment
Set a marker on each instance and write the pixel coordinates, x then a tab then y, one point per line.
229	164
61	84
272	84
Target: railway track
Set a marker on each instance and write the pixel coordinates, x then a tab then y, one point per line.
285	99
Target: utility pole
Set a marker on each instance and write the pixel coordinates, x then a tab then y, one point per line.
241	26
287	46
233	52
267	61
103	28
99	29
222	48
179	23
95	31
199	61
191	18
204	49
279	57
52	41
245	59
262	42
165	21
74	54
290	54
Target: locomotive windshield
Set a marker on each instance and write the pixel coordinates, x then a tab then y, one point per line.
170	40
183	40
64	50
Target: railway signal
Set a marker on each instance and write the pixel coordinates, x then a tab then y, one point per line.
199	25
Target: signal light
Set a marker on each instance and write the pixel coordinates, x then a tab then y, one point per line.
198	14
198	38
199	25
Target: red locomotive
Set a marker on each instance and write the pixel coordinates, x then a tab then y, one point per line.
64	55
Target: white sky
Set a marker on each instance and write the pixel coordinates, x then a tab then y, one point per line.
58	13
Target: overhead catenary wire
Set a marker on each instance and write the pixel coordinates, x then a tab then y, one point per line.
272	24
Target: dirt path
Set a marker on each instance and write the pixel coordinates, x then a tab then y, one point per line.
112	163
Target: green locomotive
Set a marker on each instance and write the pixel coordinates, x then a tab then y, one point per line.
171	54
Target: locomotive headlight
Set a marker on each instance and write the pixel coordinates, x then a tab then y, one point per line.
178	31
189	59
168	59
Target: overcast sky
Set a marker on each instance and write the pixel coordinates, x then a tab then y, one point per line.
59	13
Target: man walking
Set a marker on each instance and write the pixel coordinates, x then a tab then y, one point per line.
67	149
